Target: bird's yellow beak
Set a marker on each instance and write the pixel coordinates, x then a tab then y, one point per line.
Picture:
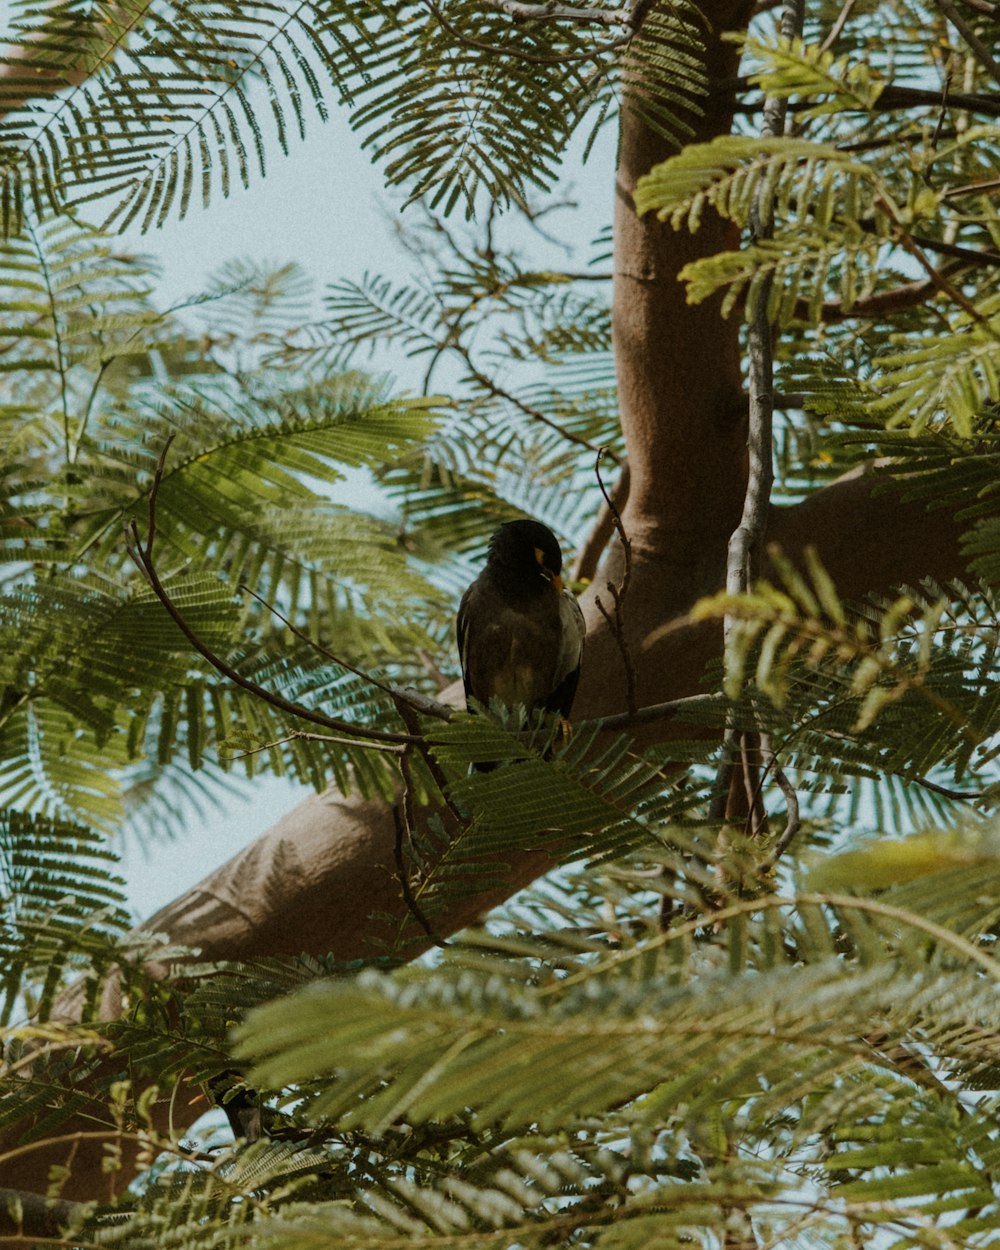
554	578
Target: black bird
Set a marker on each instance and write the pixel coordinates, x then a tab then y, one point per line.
520	635
240	1103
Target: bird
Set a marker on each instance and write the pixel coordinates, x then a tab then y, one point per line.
520	634
240	1103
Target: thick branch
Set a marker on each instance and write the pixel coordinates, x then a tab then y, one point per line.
893	97
679	380
881	304
27	1216
323	878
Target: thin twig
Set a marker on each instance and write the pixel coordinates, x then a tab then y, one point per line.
746	545
914	244
616	623
589	556
972	188
833	34
658	711
939	124
976	46
420	702
300	735
520	12
892	97
433	670
793	822
402	813
423	703
970	254
756	818
142	556
957	796
317	646
942	283
408	715
498	392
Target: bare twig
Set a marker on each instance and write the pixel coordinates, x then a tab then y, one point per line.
419	702
616	622
433	670
423	703
751	753
659	711
942	113
957	796
972	188
942	283
402	815
318	646
746	546
793	822
498	392
142	556
899	141
833	34
301	735
975	45
970	254
408	714
893	97
589	557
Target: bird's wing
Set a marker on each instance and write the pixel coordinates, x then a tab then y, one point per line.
462	630
566	675
486	641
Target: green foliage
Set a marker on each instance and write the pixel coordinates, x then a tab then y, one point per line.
692	1033
60	903
878	228
169	104
775	1036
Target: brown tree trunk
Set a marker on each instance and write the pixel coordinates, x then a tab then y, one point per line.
315	881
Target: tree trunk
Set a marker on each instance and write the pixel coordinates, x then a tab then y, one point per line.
315	880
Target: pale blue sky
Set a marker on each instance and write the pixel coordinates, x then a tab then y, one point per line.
323	206
319	206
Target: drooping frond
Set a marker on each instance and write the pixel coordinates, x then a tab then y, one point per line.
169	104
61	905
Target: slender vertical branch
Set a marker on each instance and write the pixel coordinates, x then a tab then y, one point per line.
402	816
746	545
589	556
976	46
616	620
792	822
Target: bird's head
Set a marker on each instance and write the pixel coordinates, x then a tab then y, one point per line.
526	549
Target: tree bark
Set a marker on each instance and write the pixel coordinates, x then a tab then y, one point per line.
317	879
